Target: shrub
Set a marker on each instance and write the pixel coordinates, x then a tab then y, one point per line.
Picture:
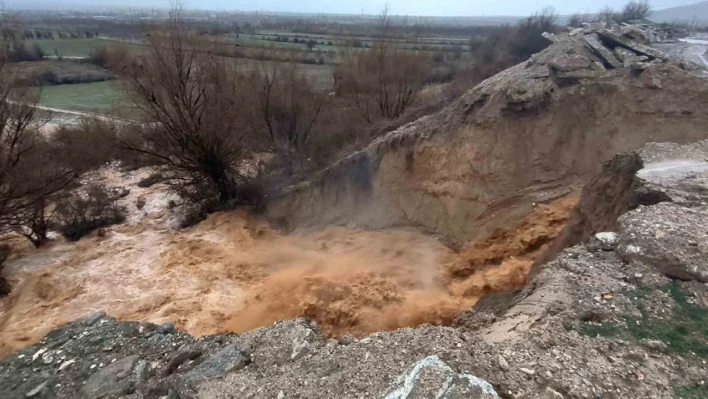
92	144
383	82
194	135
86	210
99	57
636	9
529	39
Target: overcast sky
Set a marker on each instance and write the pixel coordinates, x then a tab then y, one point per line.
400	7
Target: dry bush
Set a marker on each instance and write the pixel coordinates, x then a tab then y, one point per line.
607	14
577	20
92	144
194	106
99	57
87	209
286	111
528	40
382	82
31	170
636	9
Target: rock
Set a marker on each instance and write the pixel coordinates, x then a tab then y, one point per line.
625	56
181	357
655	345
141	371
593	27
576	31
654	83
570	62
347	339
35	392
503	364
433	378
111	381
629	44
550	37
167	328
528	372
669	253
602	51
281	394
225	361
300	349
549	393
608	240
66	364
634	32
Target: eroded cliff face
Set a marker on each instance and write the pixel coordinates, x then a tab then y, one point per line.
522	137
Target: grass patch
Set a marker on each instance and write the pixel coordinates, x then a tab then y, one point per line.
99	97
695	392
76	47
686	331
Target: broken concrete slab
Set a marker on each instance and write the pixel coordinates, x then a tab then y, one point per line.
550	36
625	56
593	41
636	33
638	48
570	62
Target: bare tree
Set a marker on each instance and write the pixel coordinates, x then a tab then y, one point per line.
383	81
30	171
607	14
636	9
287	109
193	105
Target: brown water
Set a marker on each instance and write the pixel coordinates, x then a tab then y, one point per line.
232	273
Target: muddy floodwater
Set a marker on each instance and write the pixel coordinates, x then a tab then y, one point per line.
232	273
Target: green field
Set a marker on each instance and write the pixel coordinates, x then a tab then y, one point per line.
75	47
99	97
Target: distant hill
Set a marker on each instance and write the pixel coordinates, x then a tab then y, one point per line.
691	13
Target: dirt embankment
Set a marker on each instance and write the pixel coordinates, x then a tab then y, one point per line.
524	136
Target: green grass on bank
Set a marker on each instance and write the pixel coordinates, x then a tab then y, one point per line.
76	47
99	97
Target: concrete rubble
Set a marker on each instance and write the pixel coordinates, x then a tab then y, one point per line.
610	46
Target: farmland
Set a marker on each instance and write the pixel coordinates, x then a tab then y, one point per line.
76	47
98	97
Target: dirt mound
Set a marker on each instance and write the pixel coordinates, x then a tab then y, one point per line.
529	134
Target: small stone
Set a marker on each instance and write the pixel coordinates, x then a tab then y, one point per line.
299	350
608	240
503	364
66	364
38	353
549	393
167	328
36	390
528	372
281	395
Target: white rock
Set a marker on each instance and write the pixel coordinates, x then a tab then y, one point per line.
66	364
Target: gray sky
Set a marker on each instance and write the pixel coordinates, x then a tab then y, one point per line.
400	7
